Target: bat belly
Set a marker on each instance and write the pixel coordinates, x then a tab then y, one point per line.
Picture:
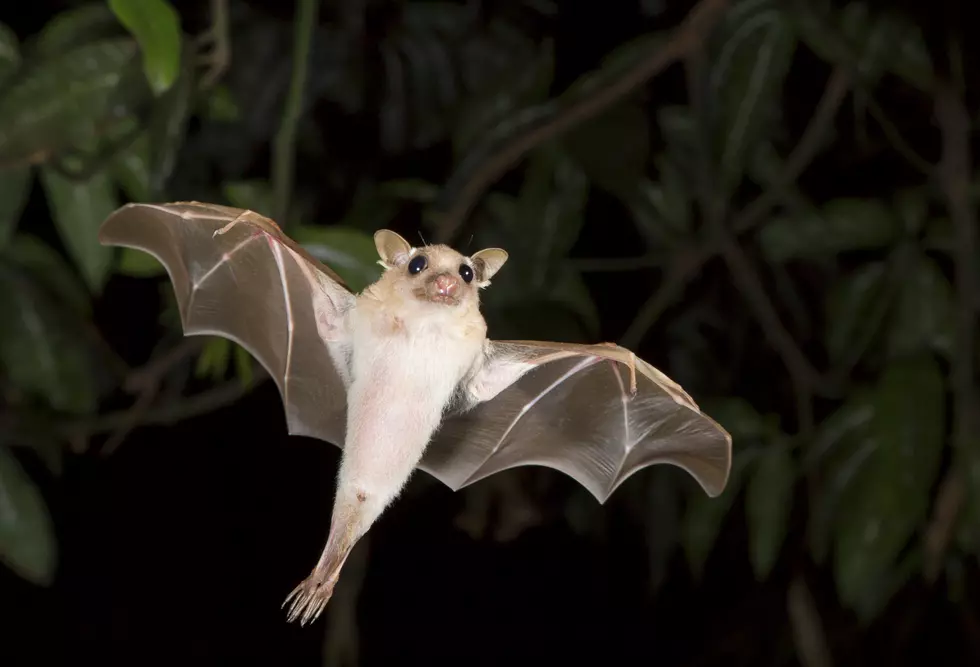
395	404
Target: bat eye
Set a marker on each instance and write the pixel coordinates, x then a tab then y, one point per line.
417	265
465	272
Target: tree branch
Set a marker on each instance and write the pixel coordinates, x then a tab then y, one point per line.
284	148
687	37
953	174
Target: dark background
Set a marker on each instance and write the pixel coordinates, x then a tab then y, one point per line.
181	545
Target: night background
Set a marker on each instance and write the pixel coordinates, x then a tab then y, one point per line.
775	203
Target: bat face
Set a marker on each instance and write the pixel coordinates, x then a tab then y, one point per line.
436	274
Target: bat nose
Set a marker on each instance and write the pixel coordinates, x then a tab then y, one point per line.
446	284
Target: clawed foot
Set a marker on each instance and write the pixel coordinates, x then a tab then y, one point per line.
309	599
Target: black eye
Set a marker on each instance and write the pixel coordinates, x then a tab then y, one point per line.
417	265
465	272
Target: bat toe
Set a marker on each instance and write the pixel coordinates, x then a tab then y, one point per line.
308	600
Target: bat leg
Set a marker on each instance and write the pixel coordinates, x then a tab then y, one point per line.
308	600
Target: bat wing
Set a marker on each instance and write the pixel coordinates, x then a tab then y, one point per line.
236	275
571	408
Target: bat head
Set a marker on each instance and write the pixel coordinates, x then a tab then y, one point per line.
436	273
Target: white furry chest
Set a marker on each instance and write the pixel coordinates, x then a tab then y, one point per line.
412	357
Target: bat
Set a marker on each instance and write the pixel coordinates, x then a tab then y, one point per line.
402	376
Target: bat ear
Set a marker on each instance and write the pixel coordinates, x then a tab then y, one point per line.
487	262
394	250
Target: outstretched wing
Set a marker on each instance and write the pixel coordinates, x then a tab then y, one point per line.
572	408
236	275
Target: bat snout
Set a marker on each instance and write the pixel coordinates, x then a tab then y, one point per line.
446	285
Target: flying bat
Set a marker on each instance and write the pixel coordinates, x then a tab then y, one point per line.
402	375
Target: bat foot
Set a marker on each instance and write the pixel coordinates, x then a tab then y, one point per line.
308	600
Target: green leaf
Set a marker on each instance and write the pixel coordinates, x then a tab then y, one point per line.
612	148
78	209
42	351
9	52
167	128
72	28
856	309
220	105
840	225
682	135
156	26
490	109
131	169
254	195
15	188
742	421
139	264
871	41
841	447
967	461
891	500
924	312
350	252
704	517
50	271
213	362
615	65
67	100
768	501
27	539
756	42
243	365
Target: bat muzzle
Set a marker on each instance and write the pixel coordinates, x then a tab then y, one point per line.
440	288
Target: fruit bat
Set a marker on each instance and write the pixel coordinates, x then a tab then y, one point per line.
403	376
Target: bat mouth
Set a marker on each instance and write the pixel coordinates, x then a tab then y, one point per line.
424	294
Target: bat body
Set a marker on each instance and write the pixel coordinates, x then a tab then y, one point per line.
402	376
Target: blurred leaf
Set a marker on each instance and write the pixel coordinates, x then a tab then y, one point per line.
489	110
243	365
756	42
66	101
167	127
742	421
71	28
681	134
131	169
213	362
27	539
9	52
156	26
350	252
411	189
967	461
221	105
15	188
856	309
78	209
615	65
41	351
612	148
254	195
890	500
912	207
50	271
139	264
840	225
704	517
839	452
924	311
768	501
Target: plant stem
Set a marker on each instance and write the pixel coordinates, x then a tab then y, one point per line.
284	149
